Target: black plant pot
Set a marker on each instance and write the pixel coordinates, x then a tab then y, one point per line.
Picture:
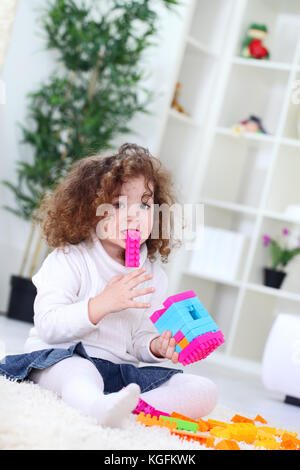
273	278
22	295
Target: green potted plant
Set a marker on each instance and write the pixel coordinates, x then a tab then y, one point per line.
81	108
281	254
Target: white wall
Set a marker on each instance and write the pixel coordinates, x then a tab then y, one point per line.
26	66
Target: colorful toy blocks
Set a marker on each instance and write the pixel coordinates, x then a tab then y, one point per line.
222	435
195	332
132	252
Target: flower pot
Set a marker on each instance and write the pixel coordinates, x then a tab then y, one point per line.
273	278
22	295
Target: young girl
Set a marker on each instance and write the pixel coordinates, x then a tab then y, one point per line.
91	313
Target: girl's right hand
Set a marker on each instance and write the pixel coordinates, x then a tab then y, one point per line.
119	294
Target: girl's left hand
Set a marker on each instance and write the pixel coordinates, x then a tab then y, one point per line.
164	346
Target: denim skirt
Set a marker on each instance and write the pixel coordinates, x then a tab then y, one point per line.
115	376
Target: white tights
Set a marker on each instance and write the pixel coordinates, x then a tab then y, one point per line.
81	386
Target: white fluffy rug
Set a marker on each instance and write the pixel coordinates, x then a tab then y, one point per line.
33	418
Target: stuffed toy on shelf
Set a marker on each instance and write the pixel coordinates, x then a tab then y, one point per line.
252	46
253	125
175	104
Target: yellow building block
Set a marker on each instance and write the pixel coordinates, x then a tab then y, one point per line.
262	434
245	432
219	431
213	423
268	444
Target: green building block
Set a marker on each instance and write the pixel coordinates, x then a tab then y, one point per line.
181	424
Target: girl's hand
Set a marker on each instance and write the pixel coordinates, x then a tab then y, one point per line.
164	346
119	294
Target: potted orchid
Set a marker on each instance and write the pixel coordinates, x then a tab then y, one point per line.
281	253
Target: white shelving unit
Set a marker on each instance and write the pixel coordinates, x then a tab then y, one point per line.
245	182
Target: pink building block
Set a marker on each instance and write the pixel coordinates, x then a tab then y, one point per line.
132	252
143	406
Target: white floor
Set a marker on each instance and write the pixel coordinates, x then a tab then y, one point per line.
245	394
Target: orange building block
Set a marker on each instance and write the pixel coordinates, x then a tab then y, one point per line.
227	444
155	421
289	442
260	419
241	419
245	432
183	343
205	440
202	425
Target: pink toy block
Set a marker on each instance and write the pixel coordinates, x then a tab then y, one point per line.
179	336
156	315
178	297
201	347
132	252
144	407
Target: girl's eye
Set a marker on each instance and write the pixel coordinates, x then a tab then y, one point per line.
118	205
145	205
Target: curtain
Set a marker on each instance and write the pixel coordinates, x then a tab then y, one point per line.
8	10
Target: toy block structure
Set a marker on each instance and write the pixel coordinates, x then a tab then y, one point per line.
132	251
161	421
195	332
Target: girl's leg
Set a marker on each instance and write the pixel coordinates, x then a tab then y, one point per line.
80	385
187	394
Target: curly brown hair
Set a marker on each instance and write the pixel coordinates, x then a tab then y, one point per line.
68	214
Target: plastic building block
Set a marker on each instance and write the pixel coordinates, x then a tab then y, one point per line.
262	435
227	444
184	418
206	440
212	423
149	420
195	332
245	432
143	406
289	442
260	419
182	425
132	252
241	419
202	425
220	432
268	444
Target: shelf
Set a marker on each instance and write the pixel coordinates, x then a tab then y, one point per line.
274	292
183	118
196	77
217	280
281	217
234	363
201	47
257	91
246	135
284	189
266	64
209	22
229	206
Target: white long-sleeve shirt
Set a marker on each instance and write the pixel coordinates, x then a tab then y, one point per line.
66	281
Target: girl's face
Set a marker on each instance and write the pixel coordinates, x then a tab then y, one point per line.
130	211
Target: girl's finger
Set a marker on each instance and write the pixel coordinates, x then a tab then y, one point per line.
134	274
133	304
137	292
138	280
175	357
165	342
171	348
